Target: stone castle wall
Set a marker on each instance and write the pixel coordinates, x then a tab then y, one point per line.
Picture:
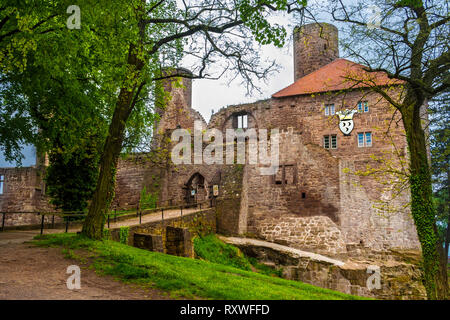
23	192
315	201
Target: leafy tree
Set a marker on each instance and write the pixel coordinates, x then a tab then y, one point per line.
71	179
210	30
410	44
114	62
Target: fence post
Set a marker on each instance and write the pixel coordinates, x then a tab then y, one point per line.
42	224
140	216
115	215
108	219
53	221
67	224
181	215
3	221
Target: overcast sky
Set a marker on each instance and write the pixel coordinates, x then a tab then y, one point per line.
210	95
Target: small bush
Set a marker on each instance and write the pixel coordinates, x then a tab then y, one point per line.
123	234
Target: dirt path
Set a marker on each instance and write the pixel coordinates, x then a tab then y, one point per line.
28	272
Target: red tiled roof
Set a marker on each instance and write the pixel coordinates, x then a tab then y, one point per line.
338	75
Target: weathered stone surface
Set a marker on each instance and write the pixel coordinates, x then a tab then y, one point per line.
179	242
23	192
398	280
314	202
148	241
315	45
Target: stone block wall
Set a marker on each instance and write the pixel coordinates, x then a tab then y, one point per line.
399	279
23	192
228	205
315	45
148	242
324	183
133	173
179	242
315	234
203	222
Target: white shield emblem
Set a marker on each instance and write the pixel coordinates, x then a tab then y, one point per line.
346	121
346	126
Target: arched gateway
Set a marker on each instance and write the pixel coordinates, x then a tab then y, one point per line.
196	189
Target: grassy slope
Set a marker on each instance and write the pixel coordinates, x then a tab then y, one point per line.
184	276
212	249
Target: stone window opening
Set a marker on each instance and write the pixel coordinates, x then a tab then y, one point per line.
303	195
286	175
330	141
2	183
240	121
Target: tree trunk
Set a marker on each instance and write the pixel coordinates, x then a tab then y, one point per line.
422	209
95	220
447	236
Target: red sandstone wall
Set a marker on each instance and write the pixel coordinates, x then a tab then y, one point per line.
342	202
315	45
22	192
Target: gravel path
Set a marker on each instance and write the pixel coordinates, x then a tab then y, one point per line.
32	273
29	272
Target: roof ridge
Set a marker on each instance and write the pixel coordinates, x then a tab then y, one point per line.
331	77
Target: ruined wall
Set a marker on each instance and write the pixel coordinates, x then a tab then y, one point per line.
316	182
175	110
299	205
400	278
23	192
133	173
359	221
229	204
202	222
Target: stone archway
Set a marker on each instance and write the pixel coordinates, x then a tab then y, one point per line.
196	189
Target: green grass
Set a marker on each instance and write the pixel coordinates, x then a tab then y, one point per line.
211	248
180	276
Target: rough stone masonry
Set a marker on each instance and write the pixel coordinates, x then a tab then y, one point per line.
319	200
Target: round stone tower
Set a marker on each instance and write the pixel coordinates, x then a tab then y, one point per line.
175	112
315	45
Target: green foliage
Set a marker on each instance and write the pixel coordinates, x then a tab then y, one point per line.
71	179
186	277
211	248
106	234
255	18
264	269
148	200
201	227
214	250
123	234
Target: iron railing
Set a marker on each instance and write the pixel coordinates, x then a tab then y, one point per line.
111	214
